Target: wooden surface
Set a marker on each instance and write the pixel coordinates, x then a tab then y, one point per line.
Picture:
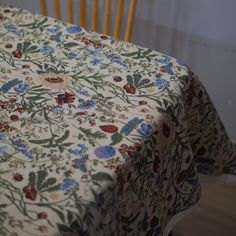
95	9
44	7
216	215
82	13
70	17
57	12
106	19
129	25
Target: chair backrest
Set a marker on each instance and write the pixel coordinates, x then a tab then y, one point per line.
94	20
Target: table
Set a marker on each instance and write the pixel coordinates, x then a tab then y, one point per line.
99	136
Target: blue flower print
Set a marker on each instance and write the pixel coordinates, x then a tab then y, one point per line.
21	88
57	108
46	50
163	59
75	152
104	152
83	92
23	148
87	104
13	29
82	149
56	37
68	184
74	29
2	137
168	69
127	129
94	53
80	163
154	231
20	146
161	83
193	182
8	85
146	129
54	29
116	59
72	55
100	199
96	61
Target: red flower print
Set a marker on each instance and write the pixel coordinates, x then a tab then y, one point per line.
12	100
92	123
17	53
122	149
117	79
18	177
142	103
166	130
65	98
156	164
42	215
4	127
109	128
8	45
120	180
14	117
200	94
137	146
30	192
104	37
201	151
20	109
43	228
169	198
26	66
154	222
131	151
7	11
129	88
3	105
83	113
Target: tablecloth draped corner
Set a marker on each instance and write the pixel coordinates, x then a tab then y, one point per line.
99	136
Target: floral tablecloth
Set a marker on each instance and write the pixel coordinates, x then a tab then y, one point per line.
98	136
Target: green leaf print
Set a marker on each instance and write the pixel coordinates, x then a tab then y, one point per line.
102	176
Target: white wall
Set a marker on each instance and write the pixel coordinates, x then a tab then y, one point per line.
202	33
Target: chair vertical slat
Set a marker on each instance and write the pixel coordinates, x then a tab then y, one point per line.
94	15
82	13
70	11
130	20
118	19
44	7
106	19
57	12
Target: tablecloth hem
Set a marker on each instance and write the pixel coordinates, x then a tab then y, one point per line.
221	179
175	219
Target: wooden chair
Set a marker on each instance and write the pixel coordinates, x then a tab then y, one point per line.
94	21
